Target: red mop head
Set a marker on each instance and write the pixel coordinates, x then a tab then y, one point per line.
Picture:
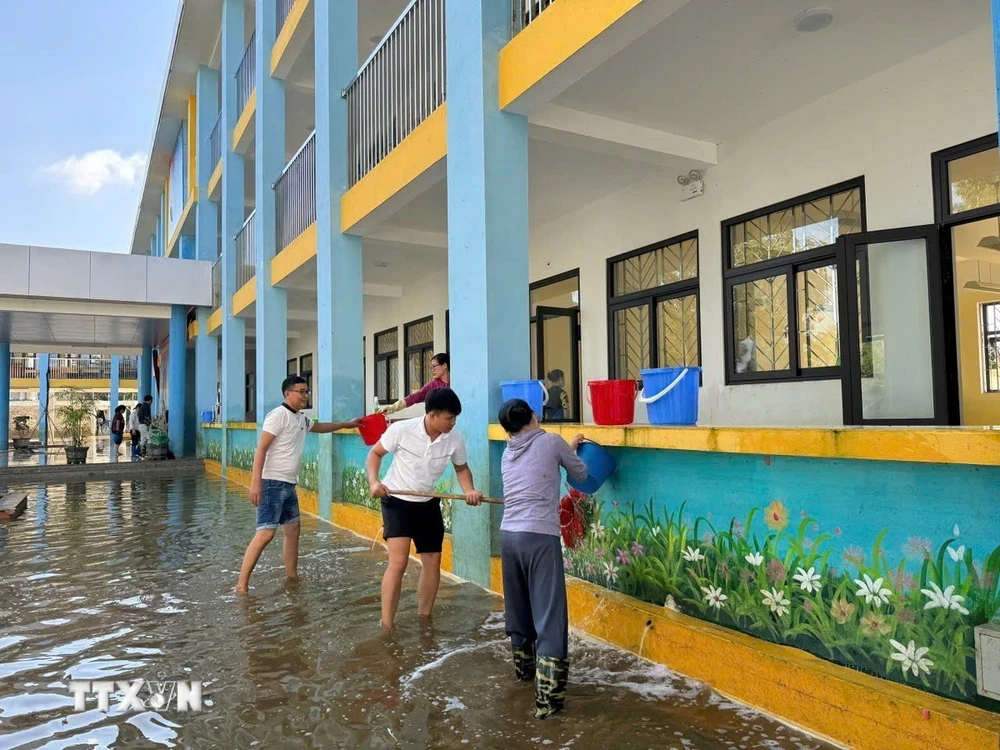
571	518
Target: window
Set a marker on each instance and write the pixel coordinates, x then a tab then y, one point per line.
419	336
782	294
991	347
387	366
967	180
554	333
653	308
291	367
306	372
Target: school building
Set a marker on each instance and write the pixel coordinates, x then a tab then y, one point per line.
801	200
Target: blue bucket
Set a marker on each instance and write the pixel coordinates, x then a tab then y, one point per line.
600	465
532	391
673	395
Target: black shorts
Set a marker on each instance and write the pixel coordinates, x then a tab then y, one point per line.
421	522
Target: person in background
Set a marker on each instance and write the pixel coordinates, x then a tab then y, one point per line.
276	472
534	584
422	450
441	371
145	420
133	429
118	428
101	422
557	406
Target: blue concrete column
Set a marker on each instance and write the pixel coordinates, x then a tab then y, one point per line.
154	383
487	255
145	367
113	397
338	378
206	220
42	363
4	401
177	378
233	328
272	303
186	249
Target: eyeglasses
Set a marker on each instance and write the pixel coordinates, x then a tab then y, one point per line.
304	392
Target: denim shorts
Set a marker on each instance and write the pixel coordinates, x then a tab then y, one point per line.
278	504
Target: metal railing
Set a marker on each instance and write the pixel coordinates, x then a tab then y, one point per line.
295	194
128	368
246	74
217	285
88	368
526	11
399	86
246	251
24	367
215	142
284	8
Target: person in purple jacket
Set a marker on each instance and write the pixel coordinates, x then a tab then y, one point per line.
534	583
441	370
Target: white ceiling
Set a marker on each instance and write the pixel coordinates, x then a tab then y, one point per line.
59	330
719	68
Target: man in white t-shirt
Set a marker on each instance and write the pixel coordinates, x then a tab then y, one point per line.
275	474
422	450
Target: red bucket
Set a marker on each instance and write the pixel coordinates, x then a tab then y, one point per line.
613	401
372	428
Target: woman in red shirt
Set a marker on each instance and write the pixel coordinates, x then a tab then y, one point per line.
441	369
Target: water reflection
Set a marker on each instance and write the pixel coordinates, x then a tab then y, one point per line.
122	581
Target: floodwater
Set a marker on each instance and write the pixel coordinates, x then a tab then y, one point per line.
121	581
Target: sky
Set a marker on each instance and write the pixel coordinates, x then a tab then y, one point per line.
80	84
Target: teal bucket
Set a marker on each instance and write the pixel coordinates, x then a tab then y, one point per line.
532	391
600	465
674	395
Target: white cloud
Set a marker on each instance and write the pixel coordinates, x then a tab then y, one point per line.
97	170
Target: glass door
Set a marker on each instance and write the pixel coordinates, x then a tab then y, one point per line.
894	371
556	361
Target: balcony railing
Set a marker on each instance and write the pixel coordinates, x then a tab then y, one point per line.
295	194
89	368
246	74
217	285
246	251
526	11
284	8
215	142
23	367
398	87
128	368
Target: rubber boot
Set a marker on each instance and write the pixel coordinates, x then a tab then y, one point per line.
524	662
550	685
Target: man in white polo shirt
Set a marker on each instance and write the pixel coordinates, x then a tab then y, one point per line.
422	450
275	474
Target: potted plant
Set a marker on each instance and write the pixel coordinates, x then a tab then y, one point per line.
22	432
158	444
76	412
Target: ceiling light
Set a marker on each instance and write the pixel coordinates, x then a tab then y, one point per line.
813	19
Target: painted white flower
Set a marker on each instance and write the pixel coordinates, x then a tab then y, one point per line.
957	554
775	599
755	558
693	555
714	596
955	531
597	529
611	572
912	658
655	531
671	604
872	591
946	599
808	580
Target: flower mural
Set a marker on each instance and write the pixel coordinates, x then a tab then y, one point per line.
907	618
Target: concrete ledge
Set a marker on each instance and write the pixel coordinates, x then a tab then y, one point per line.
95	472
978	446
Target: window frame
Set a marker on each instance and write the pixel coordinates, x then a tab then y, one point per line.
379	358
425	349
942	185
576	353
789	266
291	367
651	298
985	333
307	374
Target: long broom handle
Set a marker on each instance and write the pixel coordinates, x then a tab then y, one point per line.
396	493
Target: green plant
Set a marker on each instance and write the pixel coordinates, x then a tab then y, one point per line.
22	426
76	412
